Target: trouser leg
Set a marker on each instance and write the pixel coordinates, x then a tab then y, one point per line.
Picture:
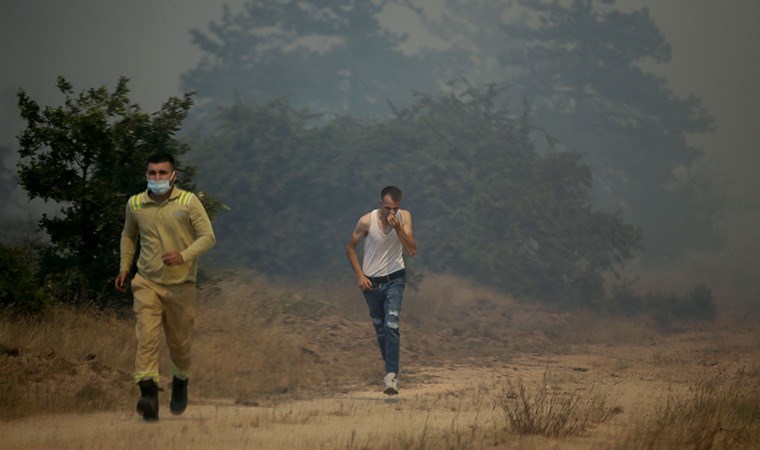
376	304
179	318
394	292
148	310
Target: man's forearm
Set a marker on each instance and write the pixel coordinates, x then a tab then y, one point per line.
127	249
353	259
407	242
204	233
200	246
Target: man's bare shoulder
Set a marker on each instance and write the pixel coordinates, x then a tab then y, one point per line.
362	228
365	220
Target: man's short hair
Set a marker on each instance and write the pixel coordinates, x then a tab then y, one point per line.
393	191
162	157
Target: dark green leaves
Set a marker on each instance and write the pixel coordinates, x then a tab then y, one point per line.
89	155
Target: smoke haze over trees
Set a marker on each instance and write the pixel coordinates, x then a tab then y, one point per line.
578	71
326	55
587	74
487	206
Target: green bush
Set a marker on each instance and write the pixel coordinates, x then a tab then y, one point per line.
20	290
89	155
698	305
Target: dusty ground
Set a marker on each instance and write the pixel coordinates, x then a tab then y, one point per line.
446	404
280	366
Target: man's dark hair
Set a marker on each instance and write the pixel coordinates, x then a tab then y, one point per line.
162	157
393	191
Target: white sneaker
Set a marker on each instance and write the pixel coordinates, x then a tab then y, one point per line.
391	384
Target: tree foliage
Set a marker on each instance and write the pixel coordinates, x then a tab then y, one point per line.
88	156
486	204
21	292
323	54
581	70
579	64
667	309
473	30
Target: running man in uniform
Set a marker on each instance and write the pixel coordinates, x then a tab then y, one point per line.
174	231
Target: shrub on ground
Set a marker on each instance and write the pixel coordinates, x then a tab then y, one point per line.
547	411
20	291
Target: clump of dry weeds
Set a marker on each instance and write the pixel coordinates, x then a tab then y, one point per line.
548	411
718	413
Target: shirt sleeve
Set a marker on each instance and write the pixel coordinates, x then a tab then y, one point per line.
204	233
128	243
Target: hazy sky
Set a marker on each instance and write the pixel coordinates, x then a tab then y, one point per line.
92	42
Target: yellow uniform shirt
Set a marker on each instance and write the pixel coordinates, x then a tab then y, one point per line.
180	224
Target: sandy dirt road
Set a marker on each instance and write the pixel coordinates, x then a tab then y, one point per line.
458	400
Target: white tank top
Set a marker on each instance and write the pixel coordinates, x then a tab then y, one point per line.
382	252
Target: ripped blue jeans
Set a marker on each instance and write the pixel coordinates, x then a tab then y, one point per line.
384	302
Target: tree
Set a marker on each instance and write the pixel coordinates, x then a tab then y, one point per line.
89	156
264	160
20	291
500	212
581	70
473	32
329	56
487	205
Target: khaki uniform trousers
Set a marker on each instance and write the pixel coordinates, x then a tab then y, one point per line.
174	308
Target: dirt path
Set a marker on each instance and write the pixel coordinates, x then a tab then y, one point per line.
441	399
461	402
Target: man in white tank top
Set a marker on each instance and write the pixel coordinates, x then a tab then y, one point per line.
381	276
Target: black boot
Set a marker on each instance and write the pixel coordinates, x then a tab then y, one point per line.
148	403
179	396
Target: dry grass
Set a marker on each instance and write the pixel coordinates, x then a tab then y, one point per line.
449	406
70	360
722	412
549	410
73	333
255	340
282	365
483	322
590	328
469	321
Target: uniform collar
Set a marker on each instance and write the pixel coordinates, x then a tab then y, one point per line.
174	194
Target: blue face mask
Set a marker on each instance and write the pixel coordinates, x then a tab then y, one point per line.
159	187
